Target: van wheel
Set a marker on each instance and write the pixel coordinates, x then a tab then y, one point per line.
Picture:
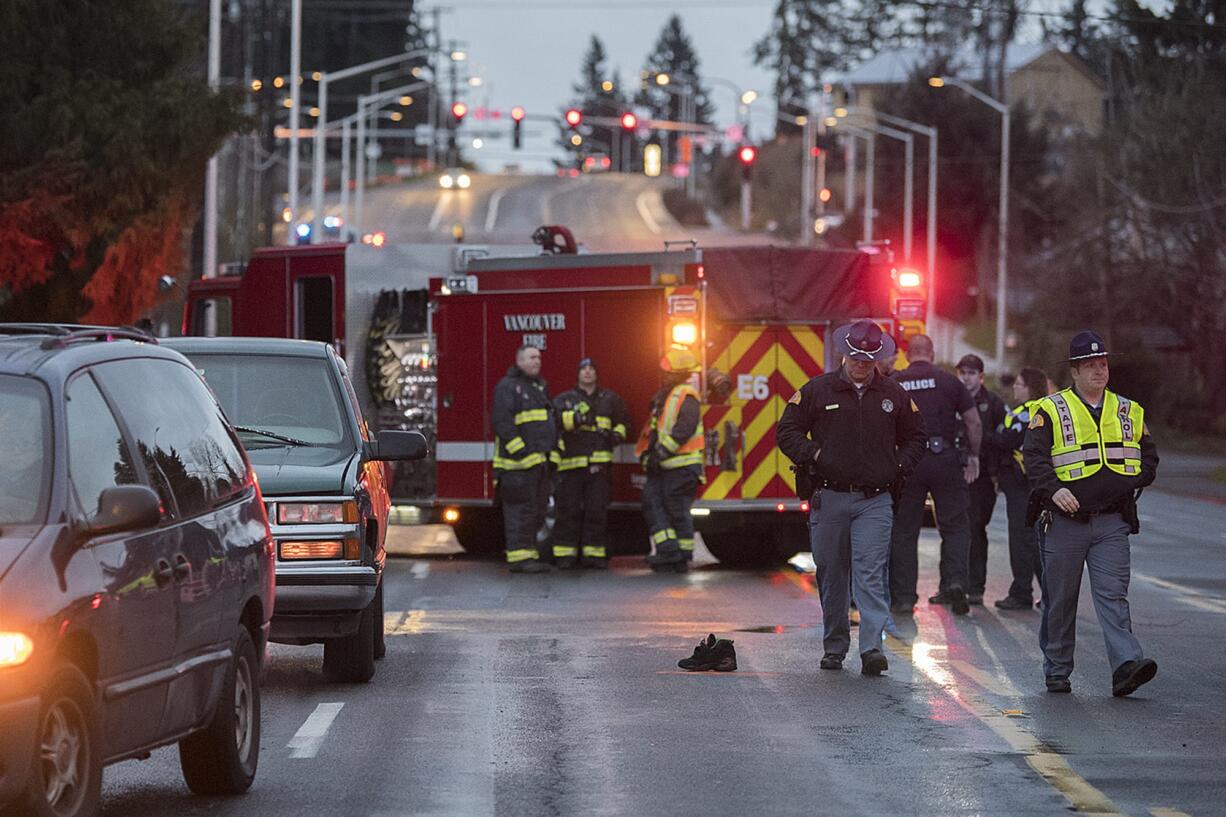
352	659
66	778
380	641
222	757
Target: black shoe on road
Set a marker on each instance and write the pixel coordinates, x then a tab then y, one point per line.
873	663
595	563
711	654
668	563
566	563
832	660
1056	683
975	598
1013	603
1132	675
958	601
530	566
941	597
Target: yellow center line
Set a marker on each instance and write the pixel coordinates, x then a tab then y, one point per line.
930	660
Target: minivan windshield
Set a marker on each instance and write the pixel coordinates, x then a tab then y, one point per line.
277	401
25	437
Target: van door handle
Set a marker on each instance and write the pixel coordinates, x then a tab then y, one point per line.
183	568
163	573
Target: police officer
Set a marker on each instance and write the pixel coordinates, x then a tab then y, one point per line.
853	434
671	452
1088	453
942	399
983	490
525	434
1029	387
593	422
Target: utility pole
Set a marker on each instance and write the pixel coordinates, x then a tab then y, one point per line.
210	179
295	69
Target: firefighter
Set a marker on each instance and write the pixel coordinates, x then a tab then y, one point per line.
1088	454
1029	387
593	423
942	399
671	452
982	490
854	436
526	433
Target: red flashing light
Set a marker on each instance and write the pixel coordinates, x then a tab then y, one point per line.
574	117
702	271
517	113
816	152
804	506
458	110
748	154
910	279
780	507
629	121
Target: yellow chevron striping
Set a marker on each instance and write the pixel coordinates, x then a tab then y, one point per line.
810	342
761	476
791	370
739	345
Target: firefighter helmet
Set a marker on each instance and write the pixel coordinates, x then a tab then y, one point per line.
680	360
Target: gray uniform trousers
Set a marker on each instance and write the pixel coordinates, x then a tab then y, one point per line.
850	536
1101	544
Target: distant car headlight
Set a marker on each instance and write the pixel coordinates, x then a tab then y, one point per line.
15	649
317	513
446	182
464	182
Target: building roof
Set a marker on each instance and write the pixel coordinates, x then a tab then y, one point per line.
894	67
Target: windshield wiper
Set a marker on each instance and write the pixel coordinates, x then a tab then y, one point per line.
272	435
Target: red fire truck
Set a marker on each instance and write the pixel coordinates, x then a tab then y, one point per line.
757	317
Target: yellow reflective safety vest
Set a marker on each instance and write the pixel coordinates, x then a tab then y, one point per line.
1081	447
680	455
1014	425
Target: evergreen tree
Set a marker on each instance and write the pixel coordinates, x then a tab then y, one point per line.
597	93
673	55
104	153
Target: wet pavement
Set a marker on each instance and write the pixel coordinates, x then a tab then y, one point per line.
559	695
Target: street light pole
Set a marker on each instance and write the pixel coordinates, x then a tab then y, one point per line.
210	179
376	101
1002	268
295	68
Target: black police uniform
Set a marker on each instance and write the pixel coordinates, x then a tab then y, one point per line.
941	397
526	432
593	425
983	490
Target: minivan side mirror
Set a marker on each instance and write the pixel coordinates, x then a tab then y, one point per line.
397	445
125	508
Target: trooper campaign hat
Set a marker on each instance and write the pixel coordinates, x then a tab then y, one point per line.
1086	345
863	340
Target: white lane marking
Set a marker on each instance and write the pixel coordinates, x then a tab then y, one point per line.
310	736
436	217
640	204
1187	595
420	570
491	216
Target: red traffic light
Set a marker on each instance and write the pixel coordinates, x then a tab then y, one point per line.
629	121
458	110
573	117
517	113
748	154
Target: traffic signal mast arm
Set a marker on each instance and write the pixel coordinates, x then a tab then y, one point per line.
651	124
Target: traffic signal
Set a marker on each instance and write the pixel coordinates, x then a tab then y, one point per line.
748	155
629	121
574	117
517	116
458	110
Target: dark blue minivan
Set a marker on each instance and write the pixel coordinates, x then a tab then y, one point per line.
136	570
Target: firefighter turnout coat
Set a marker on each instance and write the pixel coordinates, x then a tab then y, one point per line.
525	426
593	425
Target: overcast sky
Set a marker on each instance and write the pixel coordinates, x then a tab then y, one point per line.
529	53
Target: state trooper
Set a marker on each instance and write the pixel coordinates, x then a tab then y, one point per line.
526	434
983	490
1088	454
942	399
670	449
593	422
854	436
1029	387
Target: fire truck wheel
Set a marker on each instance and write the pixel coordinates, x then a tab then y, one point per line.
479	531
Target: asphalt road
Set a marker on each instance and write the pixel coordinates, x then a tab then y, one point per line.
607	212
559	695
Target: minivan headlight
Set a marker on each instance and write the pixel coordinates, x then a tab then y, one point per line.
316	513
15	649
